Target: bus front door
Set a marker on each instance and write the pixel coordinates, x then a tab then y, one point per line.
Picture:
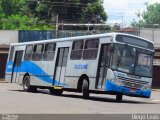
102	66
16	66
61	63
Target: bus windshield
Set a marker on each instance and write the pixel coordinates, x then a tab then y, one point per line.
132	60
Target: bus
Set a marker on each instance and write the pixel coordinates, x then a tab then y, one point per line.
110	63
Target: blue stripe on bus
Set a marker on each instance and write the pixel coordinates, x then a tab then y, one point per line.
115	88
33	69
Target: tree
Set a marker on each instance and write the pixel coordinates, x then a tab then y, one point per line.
94	13
18	22
14	14
69	10
10	7
152	15
138	24
41	14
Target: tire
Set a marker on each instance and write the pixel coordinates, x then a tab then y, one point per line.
56	92
119	97
26	85
85	89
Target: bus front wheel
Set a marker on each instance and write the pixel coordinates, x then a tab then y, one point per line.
26	85
85	89
119	97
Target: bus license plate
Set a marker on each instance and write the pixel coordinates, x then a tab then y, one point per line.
133	90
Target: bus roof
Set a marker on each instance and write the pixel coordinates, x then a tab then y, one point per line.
113	34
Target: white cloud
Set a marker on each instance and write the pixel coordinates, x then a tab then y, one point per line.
112	5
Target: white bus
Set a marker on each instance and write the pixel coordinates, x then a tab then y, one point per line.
111	63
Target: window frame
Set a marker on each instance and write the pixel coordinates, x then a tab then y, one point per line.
74	50
49	52
11	53
86	49
37	55
28	53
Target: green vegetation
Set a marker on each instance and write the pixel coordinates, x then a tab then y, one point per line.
41	14
151	16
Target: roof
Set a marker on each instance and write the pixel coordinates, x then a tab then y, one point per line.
79	38
128	29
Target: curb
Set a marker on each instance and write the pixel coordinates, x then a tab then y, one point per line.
157	90
2	81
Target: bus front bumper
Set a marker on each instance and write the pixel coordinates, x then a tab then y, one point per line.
113	88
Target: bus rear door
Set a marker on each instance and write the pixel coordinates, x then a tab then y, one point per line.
61	63
16	66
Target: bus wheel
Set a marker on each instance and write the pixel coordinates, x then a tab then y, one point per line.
85	89
26	85
119	97
56	92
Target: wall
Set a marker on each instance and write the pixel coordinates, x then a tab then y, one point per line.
8	36
152	34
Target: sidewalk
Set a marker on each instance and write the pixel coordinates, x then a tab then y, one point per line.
3	81
157	90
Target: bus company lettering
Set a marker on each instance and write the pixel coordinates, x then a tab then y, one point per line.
10	66
81	66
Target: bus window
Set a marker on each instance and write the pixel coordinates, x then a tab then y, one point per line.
28	53
77	49
91	49
11	53
49	51
37	52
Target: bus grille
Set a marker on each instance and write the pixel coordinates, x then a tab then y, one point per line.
132	83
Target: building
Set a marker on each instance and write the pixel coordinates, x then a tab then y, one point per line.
6	38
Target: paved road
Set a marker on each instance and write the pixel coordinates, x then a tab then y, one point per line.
14	100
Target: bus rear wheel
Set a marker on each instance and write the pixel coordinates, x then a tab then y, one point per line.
26	85
85	89
119	97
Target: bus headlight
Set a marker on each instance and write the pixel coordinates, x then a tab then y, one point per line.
146	87
117	82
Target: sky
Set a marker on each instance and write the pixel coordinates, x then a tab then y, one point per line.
124	10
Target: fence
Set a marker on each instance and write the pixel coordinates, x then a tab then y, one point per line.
26	36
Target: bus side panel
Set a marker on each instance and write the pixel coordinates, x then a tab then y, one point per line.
41	81
8	75
76	68
71	82
92	82
37	72
40	75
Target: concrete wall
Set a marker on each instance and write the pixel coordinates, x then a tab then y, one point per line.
8	36
152	34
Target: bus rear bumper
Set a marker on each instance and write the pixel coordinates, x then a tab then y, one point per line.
113	88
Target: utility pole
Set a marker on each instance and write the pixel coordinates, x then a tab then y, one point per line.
139	26
122	21
56	25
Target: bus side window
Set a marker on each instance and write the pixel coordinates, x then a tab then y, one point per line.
11	53
37	52
91	49
49	51
28	52
77	49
